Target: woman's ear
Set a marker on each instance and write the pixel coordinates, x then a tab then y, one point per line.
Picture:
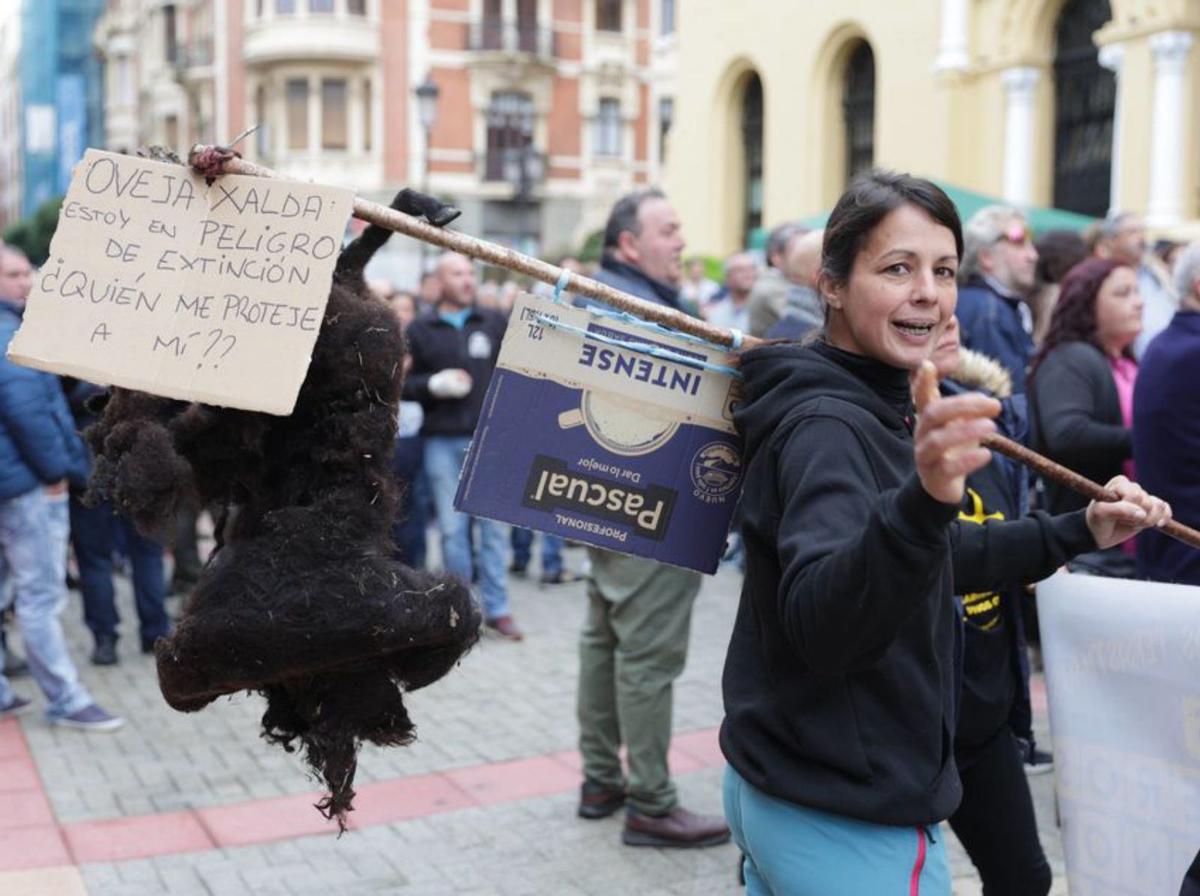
832	294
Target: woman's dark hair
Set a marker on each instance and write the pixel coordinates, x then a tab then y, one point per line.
1074	317
868	200
1058	252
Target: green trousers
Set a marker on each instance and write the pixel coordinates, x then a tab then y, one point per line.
633	646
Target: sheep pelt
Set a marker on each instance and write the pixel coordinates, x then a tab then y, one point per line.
301	601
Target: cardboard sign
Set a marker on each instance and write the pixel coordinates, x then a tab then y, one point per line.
161	283
604	432
1121	660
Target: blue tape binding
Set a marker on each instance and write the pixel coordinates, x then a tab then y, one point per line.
634	321
653	350
736	342
561	285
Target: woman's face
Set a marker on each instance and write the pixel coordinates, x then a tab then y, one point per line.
900	293
1118	310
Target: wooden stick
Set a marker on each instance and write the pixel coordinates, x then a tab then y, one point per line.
1072	480
501	256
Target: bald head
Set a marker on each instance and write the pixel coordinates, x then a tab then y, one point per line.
456	275
740	273
16	275
802	258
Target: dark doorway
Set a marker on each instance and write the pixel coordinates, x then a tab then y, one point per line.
752	145
1085	96
858	105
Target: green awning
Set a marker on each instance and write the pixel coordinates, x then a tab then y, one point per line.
969	202
757	239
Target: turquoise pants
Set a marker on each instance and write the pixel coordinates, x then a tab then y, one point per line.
791	850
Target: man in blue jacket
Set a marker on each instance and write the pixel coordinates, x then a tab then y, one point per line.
1166	428
39	453
997	275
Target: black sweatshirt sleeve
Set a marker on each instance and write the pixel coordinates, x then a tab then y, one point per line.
1068	412
1009	554
854	562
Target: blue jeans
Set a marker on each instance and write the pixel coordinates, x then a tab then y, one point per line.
34	528
552	547
408	529
792	850
444	458
94	532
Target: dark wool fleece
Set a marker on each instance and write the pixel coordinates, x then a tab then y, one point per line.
301	601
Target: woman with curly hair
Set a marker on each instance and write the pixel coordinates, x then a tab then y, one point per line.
1081	389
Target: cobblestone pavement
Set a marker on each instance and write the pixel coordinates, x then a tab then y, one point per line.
507	702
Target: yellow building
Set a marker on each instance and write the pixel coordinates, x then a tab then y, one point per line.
1080	104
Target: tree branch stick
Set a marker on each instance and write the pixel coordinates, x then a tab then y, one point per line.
1072	480
501	256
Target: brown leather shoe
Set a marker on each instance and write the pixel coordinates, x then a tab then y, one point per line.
598	801
679	828
505	628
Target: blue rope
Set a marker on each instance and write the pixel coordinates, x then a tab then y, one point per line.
644	348
634	321
561	285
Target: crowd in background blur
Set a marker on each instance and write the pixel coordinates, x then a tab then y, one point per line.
1099	332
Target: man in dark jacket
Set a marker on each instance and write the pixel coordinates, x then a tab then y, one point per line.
998	275
95	531
39	453
1166	428
635	638
454	349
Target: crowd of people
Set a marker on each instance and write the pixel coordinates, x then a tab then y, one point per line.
877	678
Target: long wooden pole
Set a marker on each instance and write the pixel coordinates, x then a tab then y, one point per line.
213	160
501	256
1081	484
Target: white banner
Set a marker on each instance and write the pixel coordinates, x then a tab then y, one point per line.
1123	680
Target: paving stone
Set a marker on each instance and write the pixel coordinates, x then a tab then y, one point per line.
505	702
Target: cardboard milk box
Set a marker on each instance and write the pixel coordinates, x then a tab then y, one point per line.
607	430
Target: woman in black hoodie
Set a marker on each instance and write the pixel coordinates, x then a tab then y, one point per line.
839	681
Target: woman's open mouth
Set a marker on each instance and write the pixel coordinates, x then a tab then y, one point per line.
916	331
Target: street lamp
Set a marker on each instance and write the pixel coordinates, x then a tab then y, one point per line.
427	103
524	168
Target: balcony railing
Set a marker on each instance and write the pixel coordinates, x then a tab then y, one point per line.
512	37
195	54
524	167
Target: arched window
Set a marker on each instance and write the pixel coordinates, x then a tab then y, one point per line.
510	127
752	143
858	107
1085	96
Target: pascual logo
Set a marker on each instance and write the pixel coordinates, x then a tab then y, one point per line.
716	472
552	486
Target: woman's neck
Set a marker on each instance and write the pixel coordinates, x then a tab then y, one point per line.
1114	350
